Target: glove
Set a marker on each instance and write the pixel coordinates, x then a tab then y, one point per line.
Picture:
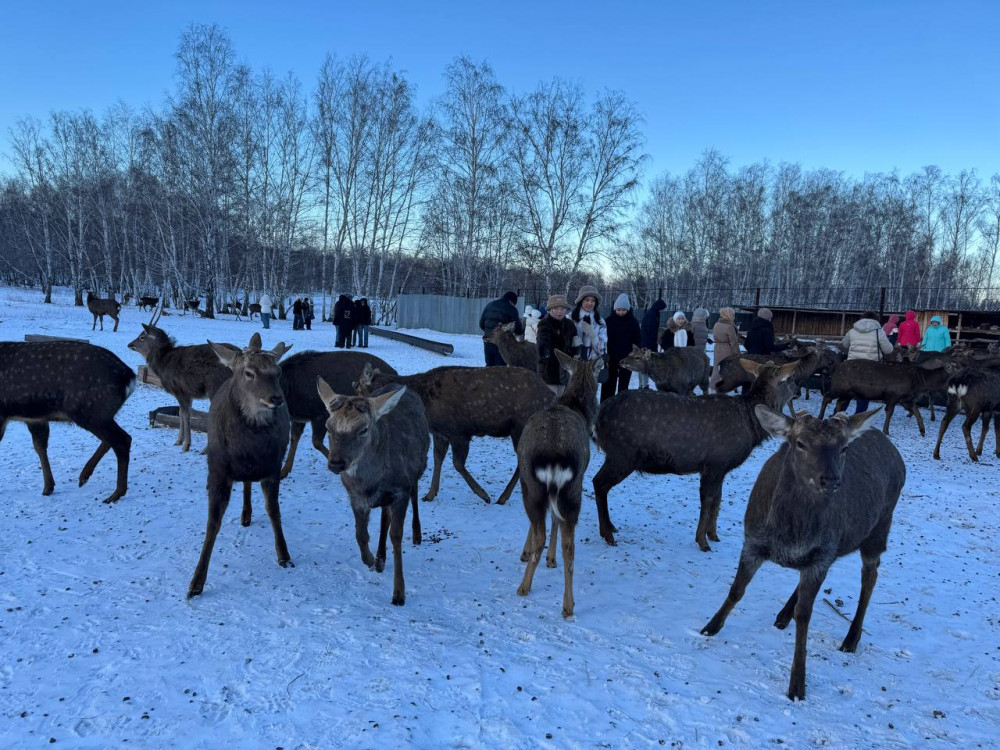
588	330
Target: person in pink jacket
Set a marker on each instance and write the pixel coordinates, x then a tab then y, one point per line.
909	330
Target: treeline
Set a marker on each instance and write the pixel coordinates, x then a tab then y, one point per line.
244	181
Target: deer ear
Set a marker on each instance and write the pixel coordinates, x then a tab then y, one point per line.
225	354
326	393
145	327
255	343
750	366
598	365
385	403
280	350
568	363
858	423
786	371
774	423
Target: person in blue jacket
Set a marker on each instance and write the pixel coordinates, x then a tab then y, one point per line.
936	337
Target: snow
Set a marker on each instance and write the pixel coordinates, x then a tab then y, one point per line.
101	648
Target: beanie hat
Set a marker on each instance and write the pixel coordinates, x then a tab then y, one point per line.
511	297
622	302
765	313
587	290
701	314
557	300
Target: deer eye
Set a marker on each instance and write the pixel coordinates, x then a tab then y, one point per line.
363	431
250	375
800	445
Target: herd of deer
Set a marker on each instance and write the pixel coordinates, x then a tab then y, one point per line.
829	490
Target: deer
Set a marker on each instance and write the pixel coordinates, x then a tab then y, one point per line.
830	490
515	353
677	370
552	457
378	447
466	402
977	391
148	303
664	433
341	370
186	372
101	307
247	437
67	381
192	305
254	308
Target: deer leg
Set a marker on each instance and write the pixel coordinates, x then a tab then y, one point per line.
246	517
270	489
93	327
115	330
607	478
982	435
823	405
293	444
930	403
949	415
550	554
509	489
569	555
361	535
713	519
383	532
750	563
88	468
537	535
112	437
318	435
996	431
440	451
970	419
219	490
40	440
869	575
709	487
920	420
417	535
810	580
785	615
398	517
459	453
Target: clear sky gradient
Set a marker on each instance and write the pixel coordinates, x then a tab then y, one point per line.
853	86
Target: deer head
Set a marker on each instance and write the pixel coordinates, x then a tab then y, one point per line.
255	377
351	423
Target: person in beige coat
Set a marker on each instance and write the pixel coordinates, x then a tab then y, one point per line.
727	340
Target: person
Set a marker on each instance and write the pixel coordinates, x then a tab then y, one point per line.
265	309
650	329
343	319
936	337
307	313
891	329
297	315
362	319
591	328
727	341
909	330
556	332
496	313
531	318
699	327
866	340
676	333
760	337
623	334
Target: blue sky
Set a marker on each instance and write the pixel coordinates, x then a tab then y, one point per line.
853	86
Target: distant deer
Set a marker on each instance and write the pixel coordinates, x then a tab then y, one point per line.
378	446
254	309
515	353
148	303
101	307
186	372
67	381
552	457
977	391
830	489
192	305
247	437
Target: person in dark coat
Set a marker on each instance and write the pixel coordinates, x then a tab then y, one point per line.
343	319
555	332
760	337
297	314
623	334
650	328
499	312
307	313
677	332
362	319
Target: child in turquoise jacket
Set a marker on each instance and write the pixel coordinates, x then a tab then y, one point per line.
936	337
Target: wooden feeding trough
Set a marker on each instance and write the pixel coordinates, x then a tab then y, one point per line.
432	346
169	416
148	376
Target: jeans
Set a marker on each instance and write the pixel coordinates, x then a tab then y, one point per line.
361	336
297	322
618	380
265	318
643	380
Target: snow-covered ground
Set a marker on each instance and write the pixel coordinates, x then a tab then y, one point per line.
100	648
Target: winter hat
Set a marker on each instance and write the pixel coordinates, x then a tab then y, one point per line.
701	314
511	297
587	290
765	313
679	316
727	313
557	300
622	302
531	312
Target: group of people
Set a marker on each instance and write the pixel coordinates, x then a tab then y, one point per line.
302	314
352	319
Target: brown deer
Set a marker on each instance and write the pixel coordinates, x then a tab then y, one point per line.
378	446
148	303
677	370
67	381
977	391
466	402
247	437
515	353
830	489
552	457
101	307
192	305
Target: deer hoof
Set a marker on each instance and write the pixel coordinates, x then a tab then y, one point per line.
567	613
379	564
610	539
428	498
523	590
398	598
367	558
713	536
48	490
286	563
550	563
525	557
704	547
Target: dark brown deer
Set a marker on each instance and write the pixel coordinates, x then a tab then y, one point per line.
148	303
186	372
254	309
977	391
677	370
466	402
663	433
192	305
378	446
101	307
515	353
247	437
830	489
341	370
552	457
67	381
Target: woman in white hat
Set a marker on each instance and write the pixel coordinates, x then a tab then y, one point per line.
590	327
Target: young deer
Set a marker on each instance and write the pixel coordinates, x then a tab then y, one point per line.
515	353
378	446
67	381
101	307
552	457
829	490
677	370
247	437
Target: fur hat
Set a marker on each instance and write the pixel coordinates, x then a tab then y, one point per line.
587	290
511	297
622	302
557	300
531	312
765	313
